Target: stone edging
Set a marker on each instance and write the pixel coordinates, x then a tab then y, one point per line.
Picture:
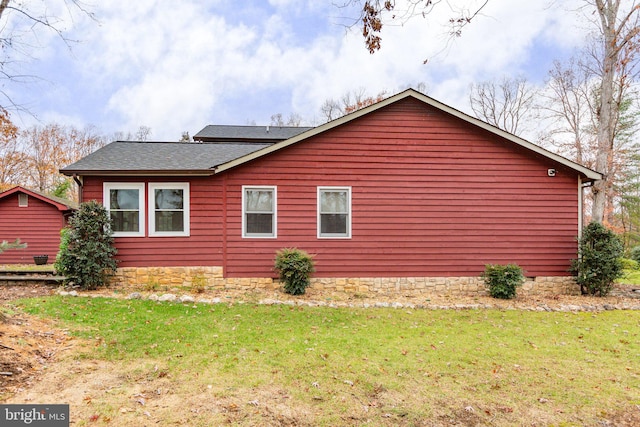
497	305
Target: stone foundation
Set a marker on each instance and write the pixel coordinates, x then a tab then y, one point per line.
166	278
155	278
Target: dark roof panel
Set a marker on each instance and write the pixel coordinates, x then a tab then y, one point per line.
129	156
227	133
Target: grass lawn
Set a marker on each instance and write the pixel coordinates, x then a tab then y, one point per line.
246	364
630	277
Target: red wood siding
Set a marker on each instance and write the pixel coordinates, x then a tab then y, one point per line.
431	196
202	247
38	225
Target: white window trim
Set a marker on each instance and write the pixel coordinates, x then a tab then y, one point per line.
106	202
184	186
349	214
273	235
23	200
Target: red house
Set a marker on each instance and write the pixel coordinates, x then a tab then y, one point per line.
34	218
405	188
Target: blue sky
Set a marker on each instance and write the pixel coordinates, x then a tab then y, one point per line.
178	66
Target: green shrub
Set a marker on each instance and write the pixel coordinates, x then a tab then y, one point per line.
634	254
629	264
86	249
502	280
294	267
598	264
64	247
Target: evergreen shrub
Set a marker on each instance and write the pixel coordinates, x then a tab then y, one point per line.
294	267
599	260
86	254
502	280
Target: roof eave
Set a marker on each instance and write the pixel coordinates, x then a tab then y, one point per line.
217	140
138	172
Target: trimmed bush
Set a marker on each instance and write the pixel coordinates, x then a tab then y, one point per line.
598	264
502	280
294	267
86	248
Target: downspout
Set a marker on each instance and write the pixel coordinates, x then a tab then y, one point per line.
80	186
580	206
581	187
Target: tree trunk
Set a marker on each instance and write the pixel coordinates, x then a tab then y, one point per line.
608	12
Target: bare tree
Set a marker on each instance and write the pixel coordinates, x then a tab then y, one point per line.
375	14
18	20
349	102
573	103
620	38
568	103
505	105
276	120
331	110
142	134
294	120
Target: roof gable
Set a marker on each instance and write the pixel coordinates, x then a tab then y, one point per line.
410	93
61	204
246	143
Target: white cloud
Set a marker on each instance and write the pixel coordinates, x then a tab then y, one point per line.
179	66
171	71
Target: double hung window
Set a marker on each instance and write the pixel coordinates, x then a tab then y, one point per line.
125	202
334	212
259	207
168	209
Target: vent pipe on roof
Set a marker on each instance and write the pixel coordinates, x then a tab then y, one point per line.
267	129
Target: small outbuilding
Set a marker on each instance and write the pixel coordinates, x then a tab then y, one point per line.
36	219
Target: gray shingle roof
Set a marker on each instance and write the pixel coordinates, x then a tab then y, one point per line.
226	133
123	157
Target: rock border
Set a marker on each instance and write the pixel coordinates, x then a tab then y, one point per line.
630	304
